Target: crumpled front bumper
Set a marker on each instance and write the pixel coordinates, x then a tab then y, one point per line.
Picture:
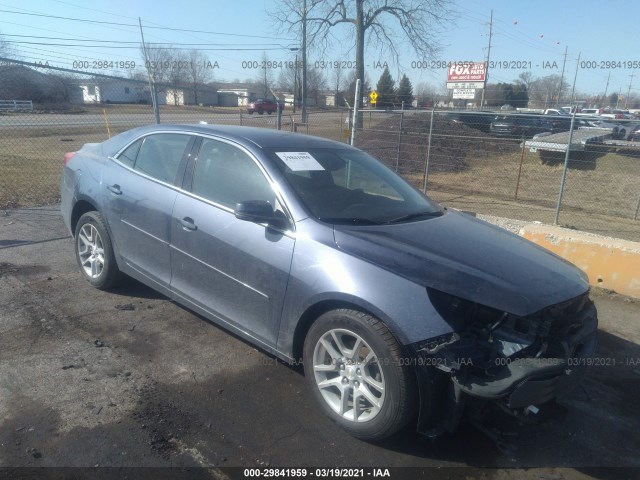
516	383
532	381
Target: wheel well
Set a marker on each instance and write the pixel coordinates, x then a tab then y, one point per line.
79	209
311	315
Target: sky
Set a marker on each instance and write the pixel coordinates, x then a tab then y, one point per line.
236	35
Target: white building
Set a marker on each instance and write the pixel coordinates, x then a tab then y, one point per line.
110	90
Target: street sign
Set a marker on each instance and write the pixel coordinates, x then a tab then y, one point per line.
451	85
373	97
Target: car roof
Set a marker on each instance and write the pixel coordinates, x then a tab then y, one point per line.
247	136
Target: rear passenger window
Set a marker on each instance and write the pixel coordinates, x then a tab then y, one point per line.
226	175
159	155
128	156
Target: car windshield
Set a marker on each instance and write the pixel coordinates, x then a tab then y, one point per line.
343	186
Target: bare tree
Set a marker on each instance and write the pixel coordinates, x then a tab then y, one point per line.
265	80
197	71
177	74
167	65
288	79
526	79
6	49
293	16
338	81
545	91
316	83
157	61
381	22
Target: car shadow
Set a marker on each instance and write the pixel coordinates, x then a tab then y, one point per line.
130	287
598	429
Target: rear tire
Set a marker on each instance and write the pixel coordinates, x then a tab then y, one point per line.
356	371
94	252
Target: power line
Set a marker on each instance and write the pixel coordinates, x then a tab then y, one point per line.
102	22
135	42
235	49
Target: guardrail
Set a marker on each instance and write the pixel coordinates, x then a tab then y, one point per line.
16	105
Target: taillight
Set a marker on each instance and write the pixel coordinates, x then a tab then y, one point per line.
68	156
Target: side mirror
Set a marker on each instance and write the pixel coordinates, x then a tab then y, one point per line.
259	211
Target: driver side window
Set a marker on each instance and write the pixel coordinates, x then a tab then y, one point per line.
226	175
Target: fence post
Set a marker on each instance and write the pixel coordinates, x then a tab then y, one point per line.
399	141
426	167
341	126
566	167
635	217
519	170
156	107
356	104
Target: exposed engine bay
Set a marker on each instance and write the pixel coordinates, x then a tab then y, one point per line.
515	362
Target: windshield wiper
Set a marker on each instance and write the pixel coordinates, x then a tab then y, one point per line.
412	216
351	221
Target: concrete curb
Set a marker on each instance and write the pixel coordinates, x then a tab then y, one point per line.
610	263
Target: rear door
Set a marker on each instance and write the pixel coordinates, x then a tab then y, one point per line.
139	192
234	270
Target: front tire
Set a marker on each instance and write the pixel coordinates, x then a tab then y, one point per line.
94	252
355	369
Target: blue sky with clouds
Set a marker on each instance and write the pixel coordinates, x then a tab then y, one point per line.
527	36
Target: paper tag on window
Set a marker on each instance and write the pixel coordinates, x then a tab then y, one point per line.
299	161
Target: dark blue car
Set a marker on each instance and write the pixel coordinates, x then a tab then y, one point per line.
399	309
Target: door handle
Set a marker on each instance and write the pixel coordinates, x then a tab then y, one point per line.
115	189
188	224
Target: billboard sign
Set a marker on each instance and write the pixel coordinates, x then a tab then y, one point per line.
468	93
467	72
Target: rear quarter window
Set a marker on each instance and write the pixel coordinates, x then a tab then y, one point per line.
159	155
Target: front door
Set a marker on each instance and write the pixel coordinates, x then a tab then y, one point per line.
235	270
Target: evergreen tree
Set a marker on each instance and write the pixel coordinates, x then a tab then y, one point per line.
386	89
405	92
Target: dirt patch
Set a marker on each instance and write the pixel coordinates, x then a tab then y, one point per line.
19	270
452	143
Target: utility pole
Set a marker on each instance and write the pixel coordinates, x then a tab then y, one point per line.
486	70
561	77
573	89
629	91
152	83
606	89
304	61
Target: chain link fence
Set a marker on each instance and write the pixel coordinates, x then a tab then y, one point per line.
458	158
467	160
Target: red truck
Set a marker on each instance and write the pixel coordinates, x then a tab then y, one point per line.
261	105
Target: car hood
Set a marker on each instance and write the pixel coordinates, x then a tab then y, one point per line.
463	256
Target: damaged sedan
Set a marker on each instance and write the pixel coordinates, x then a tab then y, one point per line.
400	310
